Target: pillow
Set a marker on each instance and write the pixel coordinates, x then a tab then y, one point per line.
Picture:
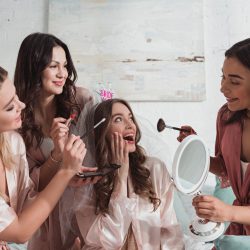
232	242
14	246
224	194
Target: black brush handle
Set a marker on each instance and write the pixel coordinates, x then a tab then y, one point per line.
182	129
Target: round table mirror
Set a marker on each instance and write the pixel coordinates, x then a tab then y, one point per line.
190	170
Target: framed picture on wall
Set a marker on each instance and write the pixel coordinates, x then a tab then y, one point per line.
146	50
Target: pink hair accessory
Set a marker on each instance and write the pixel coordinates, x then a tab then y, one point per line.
106	94
104	91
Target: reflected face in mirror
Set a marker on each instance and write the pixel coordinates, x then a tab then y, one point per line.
191	164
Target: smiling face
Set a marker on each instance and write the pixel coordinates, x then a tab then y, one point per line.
56	73
122	121
10	107
235	84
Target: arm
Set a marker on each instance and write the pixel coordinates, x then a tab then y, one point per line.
217	166
209	207
34	214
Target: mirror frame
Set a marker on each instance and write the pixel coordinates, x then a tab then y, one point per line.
175	167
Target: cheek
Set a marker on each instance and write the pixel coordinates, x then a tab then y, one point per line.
8	122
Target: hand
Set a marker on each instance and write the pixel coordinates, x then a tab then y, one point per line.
78	182
77	244
73	154
119	149
184	134
4	245
59	134
211	208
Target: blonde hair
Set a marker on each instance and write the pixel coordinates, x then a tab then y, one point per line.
5	149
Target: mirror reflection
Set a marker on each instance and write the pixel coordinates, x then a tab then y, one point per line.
192	164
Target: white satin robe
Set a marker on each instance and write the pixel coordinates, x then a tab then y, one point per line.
19	184
152	230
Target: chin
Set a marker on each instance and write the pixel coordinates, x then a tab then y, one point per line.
132	149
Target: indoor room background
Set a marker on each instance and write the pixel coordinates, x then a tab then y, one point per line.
223	23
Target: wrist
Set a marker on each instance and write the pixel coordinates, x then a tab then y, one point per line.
56	157
231	214
67	172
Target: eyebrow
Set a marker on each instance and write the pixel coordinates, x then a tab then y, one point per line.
234	75
130	114
58	62
9	102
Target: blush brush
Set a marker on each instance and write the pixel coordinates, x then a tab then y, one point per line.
161	126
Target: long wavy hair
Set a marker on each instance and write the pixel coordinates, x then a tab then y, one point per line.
240	51
5	150
34	55
140	175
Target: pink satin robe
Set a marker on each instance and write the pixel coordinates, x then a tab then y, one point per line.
48	236
19	184
152	230
228	148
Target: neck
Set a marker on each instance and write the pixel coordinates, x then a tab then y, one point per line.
45	109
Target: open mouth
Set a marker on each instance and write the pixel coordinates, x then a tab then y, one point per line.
129	138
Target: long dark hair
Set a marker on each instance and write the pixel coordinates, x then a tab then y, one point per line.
240	51
34	56
141	179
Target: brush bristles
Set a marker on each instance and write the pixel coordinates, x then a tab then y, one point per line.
160	125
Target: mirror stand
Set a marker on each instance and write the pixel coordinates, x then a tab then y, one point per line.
190	170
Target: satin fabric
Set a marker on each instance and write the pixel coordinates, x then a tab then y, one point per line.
228	148
48	236
20	186
152	229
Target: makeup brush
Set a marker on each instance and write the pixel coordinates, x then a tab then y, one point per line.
161	126
95	126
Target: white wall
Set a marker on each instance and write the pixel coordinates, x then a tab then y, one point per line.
225	22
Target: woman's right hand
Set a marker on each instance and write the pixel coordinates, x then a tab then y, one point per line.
59	134
73	154
184	134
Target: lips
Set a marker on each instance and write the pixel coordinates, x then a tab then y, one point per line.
231	99
130	138
59	83
18	119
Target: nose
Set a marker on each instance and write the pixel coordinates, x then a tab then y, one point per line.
20	105
224	88
128	124
62	72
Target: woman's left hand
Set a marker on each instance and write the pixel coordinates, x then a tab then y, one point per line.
211	208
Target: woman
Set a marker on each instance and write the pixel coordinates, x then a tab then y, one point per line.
132	206
45	81
232	149
20	216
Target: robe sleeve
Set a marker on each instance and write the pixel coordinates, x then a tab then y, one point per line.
7	214
223	177
171	233
109	231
